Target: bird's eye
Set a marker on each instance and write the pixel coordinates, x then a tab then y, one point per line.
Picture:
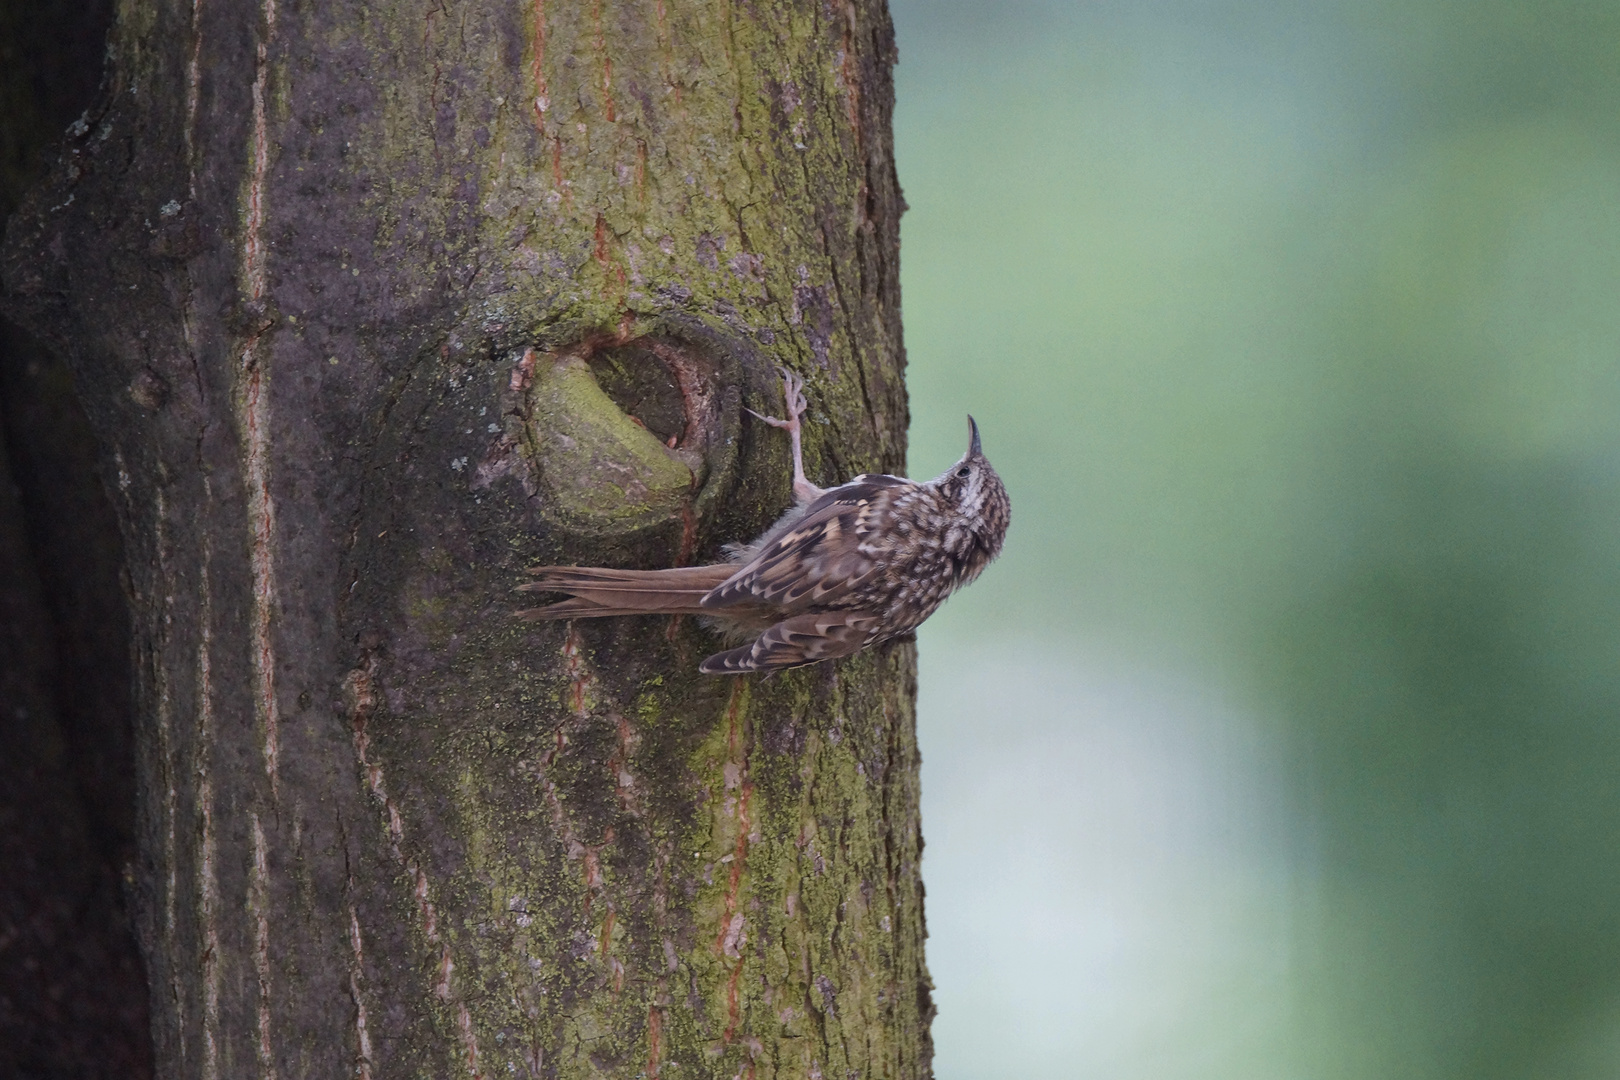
963	471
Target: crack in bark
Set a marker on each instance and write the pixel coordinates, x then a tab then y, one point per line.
207	883
165	754
253	246
362	1065
253	411
259	902
254	418
193	94
732	935
537	69
360	688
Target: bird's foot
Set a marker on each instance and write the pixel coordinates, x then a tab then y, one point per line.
793	398
793	395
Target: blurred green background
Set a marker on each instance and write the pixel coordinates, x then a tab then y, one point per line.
1284	740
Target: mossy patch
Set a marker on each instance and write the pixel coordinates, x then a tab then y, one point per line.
598	468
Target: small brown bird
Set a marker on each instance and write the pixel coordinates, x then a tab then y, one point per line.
847	567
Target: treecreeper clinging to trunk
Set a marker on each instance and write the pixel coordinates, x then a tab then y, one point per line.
845	568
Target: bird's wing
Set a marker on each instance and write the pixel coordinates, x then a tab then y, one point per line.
803	639
819	556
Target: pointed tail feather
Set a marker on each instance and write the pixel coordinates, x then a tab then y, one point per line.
573	608
598	591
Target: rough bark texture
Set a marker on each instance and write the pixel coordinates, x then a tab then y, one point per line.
329	278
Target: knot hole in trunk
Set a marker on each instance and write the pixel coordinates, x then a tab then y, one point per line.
623	436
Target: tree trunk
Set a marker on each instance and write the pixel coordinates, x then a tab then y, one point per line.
73	998
371	308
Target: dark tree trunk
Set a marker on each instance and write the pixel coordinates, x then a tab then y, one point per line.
72	993
370	307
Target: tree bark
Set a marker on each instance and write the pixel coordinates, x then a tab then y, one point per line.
370	308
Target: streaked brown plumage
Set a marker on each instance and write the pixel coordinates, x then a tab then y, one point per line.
847	567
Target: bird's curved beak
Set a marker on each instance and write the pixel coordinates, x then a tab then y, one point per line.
973	437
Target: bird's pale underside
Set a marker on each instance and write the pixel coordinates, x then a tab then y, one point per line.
847	567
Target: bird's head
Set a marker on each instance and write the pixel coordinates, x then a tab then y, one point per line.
978	496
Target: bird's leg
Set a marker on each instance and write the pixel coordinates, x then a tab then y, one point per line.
793	393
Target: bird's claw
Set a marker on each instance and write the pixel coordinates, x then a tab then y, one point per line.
793	393
771	420
793	398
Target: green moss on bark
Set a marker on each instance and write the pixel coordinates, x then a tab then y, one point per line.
599	467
